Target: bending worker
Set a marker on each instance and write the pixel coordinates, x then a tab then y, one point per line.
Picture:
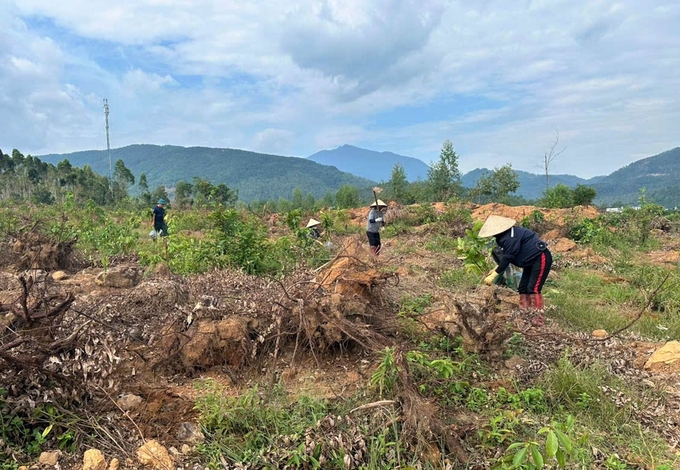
522	248
313	226
375	221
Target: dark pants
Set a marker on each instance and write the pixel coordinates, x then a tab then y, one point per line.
374	241
534	275
162	228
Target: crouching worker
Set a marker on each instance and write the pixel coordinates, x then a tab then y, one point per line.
522	248
313	226
375	221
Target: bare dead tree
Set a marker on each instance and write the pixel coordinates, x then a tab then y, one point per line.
551	154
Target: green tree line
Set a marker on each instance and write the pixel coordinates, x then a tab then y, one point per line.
27	178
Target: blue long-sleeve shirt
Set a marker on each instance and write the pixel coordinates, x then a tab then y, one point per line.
520	247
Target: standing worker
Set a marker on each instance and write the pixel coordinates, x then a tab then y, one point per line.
158	220
522	248
375	221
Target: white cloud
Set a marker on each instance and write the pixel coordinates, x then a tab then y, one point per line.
139	82
274	141
298	77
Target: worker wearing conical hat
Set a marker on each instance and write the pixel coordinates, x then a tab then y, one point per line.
313	226
375	221
522	248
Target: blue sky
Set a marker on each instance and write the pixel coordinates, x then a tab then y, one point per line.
500	79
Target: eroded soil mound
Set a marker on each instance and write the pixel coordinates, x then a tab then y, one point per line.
557	217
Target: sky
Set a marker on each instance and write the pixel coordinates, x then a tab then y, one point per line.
506	82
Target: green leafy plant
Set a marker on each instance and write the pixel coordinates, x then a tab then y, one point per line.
535	221
585	230
500	428
477	399
473	250
555	450
386	375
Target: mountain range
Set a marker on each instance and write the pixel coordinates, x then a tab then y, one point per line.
255	175
262	176
531	185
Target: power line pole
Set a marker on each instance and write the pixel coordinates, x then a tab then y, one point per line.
108	145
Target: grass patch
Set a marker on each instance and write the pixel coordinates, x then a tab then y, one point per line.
442	243
605	406
580	391
459	279
268	428
599	304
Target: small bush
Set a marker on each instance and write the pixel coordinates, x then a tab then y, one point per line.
585	230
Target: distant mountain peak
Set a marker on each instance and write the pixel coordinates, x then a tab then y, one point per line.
371	164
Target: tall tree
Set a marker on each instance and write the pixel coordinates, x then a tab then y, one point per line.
398	184
183	191
143	183
497	184
160	193
443	177
347	196
583	195
122	177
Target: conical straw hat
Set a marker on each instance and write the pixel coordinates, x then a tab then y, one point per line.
496	224
380	203
312	223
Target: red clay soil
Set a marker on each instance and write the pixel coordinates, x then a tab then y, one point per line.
556	216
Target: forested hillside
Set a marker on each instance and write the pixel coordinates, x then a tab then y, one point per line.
27	178
254	175
659	175
270	177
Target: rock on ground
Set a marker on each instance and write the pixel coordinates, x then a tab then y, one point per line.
155	455
129	402
49	458
666	358
120	277
94	460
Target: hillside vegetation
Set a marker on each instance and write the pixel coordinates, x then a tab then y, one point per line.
531	186
254	175
270	177
659	175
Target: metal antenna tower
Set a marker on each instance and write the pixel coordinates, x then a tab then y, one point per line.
108	145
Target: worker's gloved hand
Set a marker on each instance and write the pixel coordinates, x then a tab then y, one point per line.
488	280
379	219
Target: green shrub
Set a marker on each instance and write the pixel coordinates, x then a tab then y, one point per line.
473	250
535	221
585	230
